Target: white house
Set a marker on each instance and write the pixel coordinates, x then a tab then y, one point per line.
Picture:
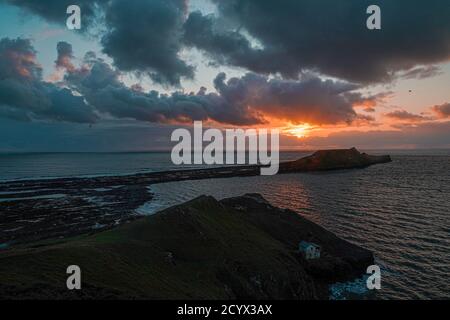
309	249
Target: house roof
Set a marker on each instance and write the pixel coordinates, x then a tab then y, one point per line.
305	245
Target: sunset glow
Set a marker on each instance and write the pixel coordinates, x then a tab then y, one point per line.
55	82
225	151
299	131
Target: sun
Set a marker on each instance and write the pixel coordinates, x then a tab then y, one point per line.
299	131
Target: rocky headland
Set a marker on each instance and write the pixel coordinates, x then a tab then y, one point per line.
237	248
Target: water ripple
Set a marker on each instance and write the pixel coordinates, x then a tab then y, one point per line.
401	211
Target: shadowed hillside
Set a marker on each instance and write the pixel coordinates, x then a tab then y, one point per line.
204	249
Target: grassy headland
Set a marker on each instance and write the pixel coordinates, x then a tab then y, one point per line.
204	249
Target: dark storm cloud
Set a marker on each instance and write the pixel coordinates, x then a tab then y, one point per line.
145	36
309	99
18	60
65	54
328	36
25	96
443	110
230	47
100	86
95	88
368	102
55	10
268	36
249	100
20	88
140	36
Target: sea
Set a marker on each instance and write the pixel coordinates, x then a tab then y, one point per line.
399	210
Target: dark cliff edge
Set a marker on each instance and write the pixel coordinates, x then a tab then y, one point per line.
237	248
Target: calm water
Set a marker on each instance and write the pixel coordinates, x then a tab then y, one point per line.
51	165
19	166
400	210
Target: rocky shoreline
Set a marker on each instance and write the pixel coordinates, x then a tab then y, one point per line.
37	210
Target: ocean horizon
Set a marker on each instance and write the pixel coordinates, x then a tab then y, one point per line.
54	165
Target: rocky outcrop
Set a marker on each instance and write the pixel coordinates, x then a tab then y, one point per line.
334	160
340	260
238	248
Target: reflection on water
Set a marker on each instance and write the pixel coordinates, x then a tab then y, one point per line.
399	210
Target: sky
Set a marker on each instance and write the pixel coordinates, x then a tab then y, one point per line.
137	70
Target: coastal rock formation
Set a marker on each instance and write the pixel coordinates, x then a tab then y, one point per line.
238	248
58	208
334	160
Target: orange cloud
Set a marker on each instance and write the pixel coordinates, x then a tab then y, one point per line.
442	111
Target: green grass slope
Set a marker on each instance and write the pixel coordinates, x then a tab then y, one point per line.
203	249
